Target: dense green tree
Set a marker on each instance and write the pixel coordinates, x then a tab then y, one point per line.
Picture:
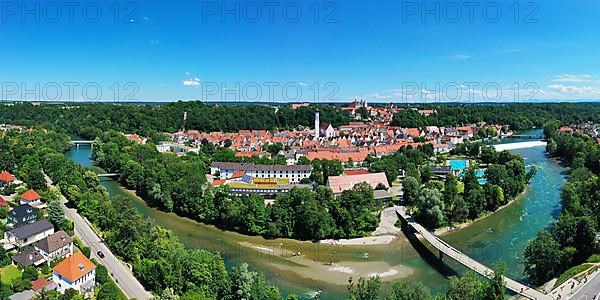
29	273
409	291
430	208
111	291
410	189
467	287
542	258
56	215
364	289
450	194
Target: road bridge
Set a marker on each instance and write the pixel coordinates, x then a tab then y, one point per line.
457	255
78	143
108	175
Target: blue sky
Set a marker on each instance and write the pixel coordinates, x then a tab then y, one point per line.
377	50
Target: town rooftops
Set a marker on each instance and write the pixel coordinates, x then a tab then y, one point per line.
55	241
22	210
28	230
253	167
74	267
5	176
30	196
339	184
3	201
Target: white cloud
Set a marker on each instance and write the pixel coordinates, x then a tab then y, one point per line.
573	78
192	82
300	83
460	57
575	90
572	87
154	42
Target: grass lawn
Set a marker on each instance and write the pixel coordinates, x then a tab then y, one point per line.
594	258
570	273
9	273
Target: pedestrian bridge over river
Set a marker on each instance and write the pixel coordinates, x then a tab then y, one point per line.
446	249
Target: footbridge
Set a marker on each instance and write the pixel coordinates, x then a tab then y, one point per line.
457	255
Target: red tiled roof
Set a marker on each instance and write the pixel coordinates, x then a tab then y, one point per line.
39	284
3	201
238	174
356	172
342	156
218	182
74	267
30	195
7	177
339	184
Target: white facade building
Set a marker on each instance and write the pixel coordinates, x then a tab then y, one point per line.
293	173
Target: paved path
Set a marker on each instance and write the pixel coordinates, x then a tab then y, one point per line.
384	234
590	289
120	273
469	262
387	222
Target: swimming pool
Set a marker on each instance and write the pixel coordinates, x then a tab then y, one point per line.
458	164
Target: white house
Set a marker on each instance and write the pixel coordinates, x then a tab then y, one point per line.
31	197
29	233
75	272
55	246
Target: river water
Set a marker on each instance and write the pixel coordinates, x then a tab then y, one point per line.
500	237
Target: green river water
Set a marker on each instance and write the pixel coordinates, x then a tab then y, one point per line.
499	237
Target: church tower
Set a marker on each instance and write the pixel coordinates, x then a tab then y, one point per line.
317	125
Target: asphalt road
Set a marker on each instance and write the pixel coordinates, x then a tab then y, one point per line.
588	291
120	273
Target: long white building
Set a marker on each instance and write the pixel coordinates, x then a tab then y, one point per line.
294	173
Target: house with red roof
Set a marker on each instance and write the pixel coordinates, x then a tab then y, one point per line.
6	178
75	272
41	283
31	197
3	202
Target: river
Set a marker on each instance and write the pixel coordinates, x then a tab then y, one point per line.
499	237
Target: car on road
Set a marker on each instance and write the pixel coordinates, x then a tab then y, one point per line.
100	254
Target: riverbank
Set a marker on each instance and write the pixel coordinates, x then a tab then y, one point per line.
445	230
323	263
